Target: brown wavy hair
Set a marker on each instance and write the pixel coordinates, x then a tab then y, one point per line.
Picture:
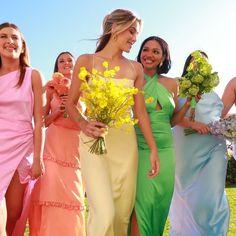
24	56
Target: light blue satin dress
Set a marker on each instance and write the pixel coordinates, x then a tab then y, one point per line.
199	205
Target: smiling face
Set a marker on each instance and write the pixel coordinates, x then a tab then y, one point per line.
11	43
151	55
128	37
66	64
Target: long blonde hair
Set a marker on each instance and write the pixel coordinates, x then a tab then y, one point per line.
114	23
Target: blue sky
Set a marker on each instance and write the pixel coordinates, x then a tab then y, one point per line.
52	26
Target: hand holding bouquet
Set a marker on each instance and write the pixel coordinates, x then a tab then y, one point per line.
198	80
222	128
106	101
58	85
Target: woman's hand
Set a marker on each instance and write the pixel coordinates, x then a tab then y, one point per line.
37	168
155	164
201	128
93	129
62	106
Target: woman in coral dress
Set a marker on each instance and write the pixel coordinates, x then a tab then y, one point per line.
58	197
20	139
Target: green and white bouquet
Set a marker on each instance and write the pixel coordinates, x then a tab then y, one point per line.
198	80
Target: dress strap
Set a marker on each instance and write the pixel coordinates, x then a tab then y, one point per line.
132	65
148	78
93	61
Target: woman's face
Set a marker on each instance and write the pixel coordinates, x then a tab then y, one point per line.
151	55
11	44
65	64
128	37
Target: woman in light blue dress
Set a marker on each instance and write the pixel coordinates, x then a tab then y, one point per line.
199	205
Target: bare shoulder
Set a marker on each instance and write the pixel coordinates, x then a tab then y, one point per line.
37	76
172	82
136	64
232	82
84	58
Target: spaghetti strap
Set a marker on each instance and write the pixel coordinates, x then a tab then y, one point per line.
92	60
132	65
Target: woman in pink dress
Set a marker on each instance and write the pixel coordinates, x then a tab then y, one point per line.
21	125
229	100
57	202
229	96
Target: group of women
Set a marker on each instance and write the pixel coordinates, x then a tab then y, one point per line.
129	189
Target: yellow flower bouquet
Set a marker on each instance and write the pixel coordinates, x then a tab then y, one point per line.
198	80
106	101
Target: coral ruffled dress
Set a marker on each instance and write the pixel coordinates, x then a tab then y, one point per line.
57	206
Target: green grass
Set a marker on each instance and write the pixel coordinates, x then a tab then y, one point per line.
231	194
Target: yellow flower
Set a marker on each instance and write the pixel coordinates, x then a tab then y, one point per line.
106	101
149	100
83	73
105	64
94	71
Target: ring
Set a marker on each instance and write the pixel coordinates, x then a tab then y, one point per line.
153	171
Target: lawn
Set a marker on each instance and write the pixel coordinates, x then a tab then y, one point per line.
231	193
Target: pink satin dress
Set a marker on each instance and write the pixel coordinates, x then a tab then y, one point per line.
16	135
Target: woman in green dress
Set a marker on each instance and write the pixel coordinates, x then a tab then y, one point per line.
154	195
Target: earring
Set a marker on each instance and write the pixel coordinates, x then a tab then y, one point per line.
115	37
160	65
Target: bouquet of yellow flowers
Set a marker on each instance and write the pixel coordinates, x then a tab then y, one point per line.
106	101
198	80
59	85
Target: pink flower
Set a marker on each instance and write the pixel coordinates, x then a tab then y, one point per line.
57	76
58	84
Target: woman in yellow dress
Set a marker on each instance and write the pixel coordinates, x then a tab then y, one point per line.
110	179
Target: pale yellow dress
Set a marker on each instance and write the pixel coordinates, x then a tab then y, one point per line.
110	181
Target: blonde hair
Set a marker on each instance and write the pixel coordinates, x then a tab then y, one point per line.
114	23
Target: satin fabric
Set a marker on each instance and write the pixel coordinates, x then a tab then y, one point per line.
16	137
153	196
110	180
199	205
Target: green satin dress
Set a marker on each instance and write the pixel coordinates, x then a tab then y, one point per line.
153	196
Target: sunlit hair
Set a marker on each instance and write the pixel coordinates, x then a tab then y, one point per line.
114	23
56	62
166	63
24	56
189	59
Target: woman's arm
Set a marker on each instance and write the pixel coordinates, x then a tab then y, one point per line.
90	128
200	127
178	115
37	167
229	96
144	122
49	115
